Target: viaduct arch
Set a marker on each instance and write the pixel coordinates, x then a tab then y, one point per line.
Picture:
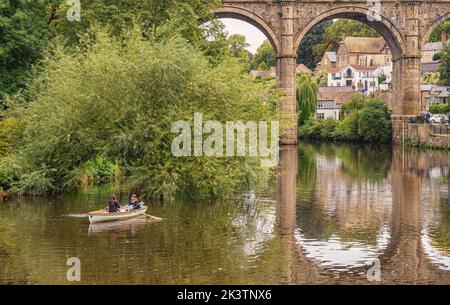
404	24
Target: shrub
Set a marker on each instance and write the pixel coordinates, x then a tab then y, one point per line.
11	132
440	108
111	103
365	120
306	97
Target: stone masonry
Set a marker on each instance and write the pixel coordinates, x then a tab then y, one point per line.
404	24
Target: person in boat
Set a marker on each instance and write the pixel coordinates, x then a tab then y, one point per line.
113	205
134	202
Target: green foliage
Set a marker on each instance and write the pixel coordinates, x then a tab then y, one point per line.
24	34
238	45
27	26
374	123
437	32
306	93
338	30
322	79
365	120
96	171
439	108
381	78
175	17
444	68
305	54
108	107
437	56
11	131
431	78
265	57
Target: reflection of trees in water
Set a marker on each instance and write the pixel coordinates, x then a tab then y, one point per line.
12	267
440	231
343	208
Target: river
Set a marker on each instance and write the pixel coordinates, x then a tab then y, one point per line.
334	214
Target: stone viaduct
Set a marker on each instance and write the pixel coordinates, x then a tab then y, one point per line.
404	24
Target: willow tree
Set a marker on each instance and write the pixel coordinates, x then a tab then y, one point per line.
307	90
113	102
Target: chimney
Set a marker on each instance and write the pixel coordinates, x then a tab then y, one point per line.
444	39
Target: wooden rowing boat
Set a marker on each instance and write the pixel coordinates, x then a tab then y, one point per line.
105	216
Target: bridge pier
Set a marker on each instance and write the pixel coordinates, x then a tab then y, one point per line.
286	70
405	94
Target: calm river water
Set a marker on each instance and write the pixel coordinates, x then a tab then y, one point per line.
334	214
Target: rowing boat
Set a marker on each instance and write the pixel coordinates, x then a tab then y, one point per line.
105	216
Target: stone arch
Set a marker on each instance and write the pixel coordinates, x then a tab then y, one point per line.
427	33
381	24
253	19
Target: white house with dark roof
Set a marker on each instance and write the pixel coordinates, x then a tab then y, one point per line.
361	78
327	109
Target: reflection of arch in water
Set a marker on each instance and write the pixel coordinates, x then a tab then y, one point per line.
339	254
400	246
436	256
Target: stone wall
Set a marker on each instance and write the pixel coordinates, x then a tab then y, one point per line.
420	134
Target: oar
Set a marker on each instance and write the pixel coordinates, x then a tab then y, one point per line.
153	217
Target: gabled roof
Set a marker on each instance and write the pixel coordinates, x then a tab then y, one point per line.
331	56
431	67
372	45
433	46
303	68
343	89
364	68
356	67
263	73
436	90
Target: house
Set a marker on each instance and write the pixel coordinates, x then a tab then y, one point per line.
361	78
363	51
429	50
340	94
432	48
271	73
385	71
327	109
330	100
328	61
429	67
434	94
303	69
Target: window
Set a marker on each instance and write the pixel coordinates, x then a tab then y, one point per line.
321	116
